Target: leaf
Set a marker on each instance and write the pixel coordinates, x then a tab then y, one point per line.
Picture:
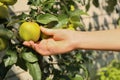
78	57
78	77
34	70
48	78
85	70
6	33
76	24
77	12
75	20
10	58
29	57
34	2
12	22
22	16
46	18
47	5
21	63
63	20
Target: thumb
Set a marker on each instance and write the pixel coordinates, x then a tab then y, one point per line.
47	31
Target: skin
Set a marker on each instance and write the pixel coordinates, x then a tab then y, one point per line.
62	41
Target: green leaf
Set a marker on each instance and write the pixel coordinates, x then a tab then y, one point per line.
29	57
34	2
22	16
21	63
75	20
78	77
63	20
34	70
48	78
12	22
85	71
76	24
78	57
78	13
46	18
6	33
10	58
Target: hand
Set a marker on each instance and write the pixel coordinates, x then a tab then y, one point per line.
62	41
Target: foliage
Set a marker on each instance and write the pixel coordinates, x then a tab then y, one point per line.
51	14
110	72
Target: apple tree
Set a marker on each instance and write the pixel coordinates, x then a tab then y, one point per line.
54	14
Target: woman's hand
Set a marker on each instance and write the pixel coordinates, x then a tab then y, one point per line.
61	41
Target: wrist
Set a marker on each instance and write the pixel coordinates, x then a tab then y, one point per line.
80	39
74	41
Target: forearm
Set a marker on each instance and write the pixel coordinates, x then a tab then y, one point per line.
99	40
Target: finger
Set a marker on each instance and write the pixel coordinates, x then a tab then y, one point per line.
47	31
32	44
26	43
41	48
